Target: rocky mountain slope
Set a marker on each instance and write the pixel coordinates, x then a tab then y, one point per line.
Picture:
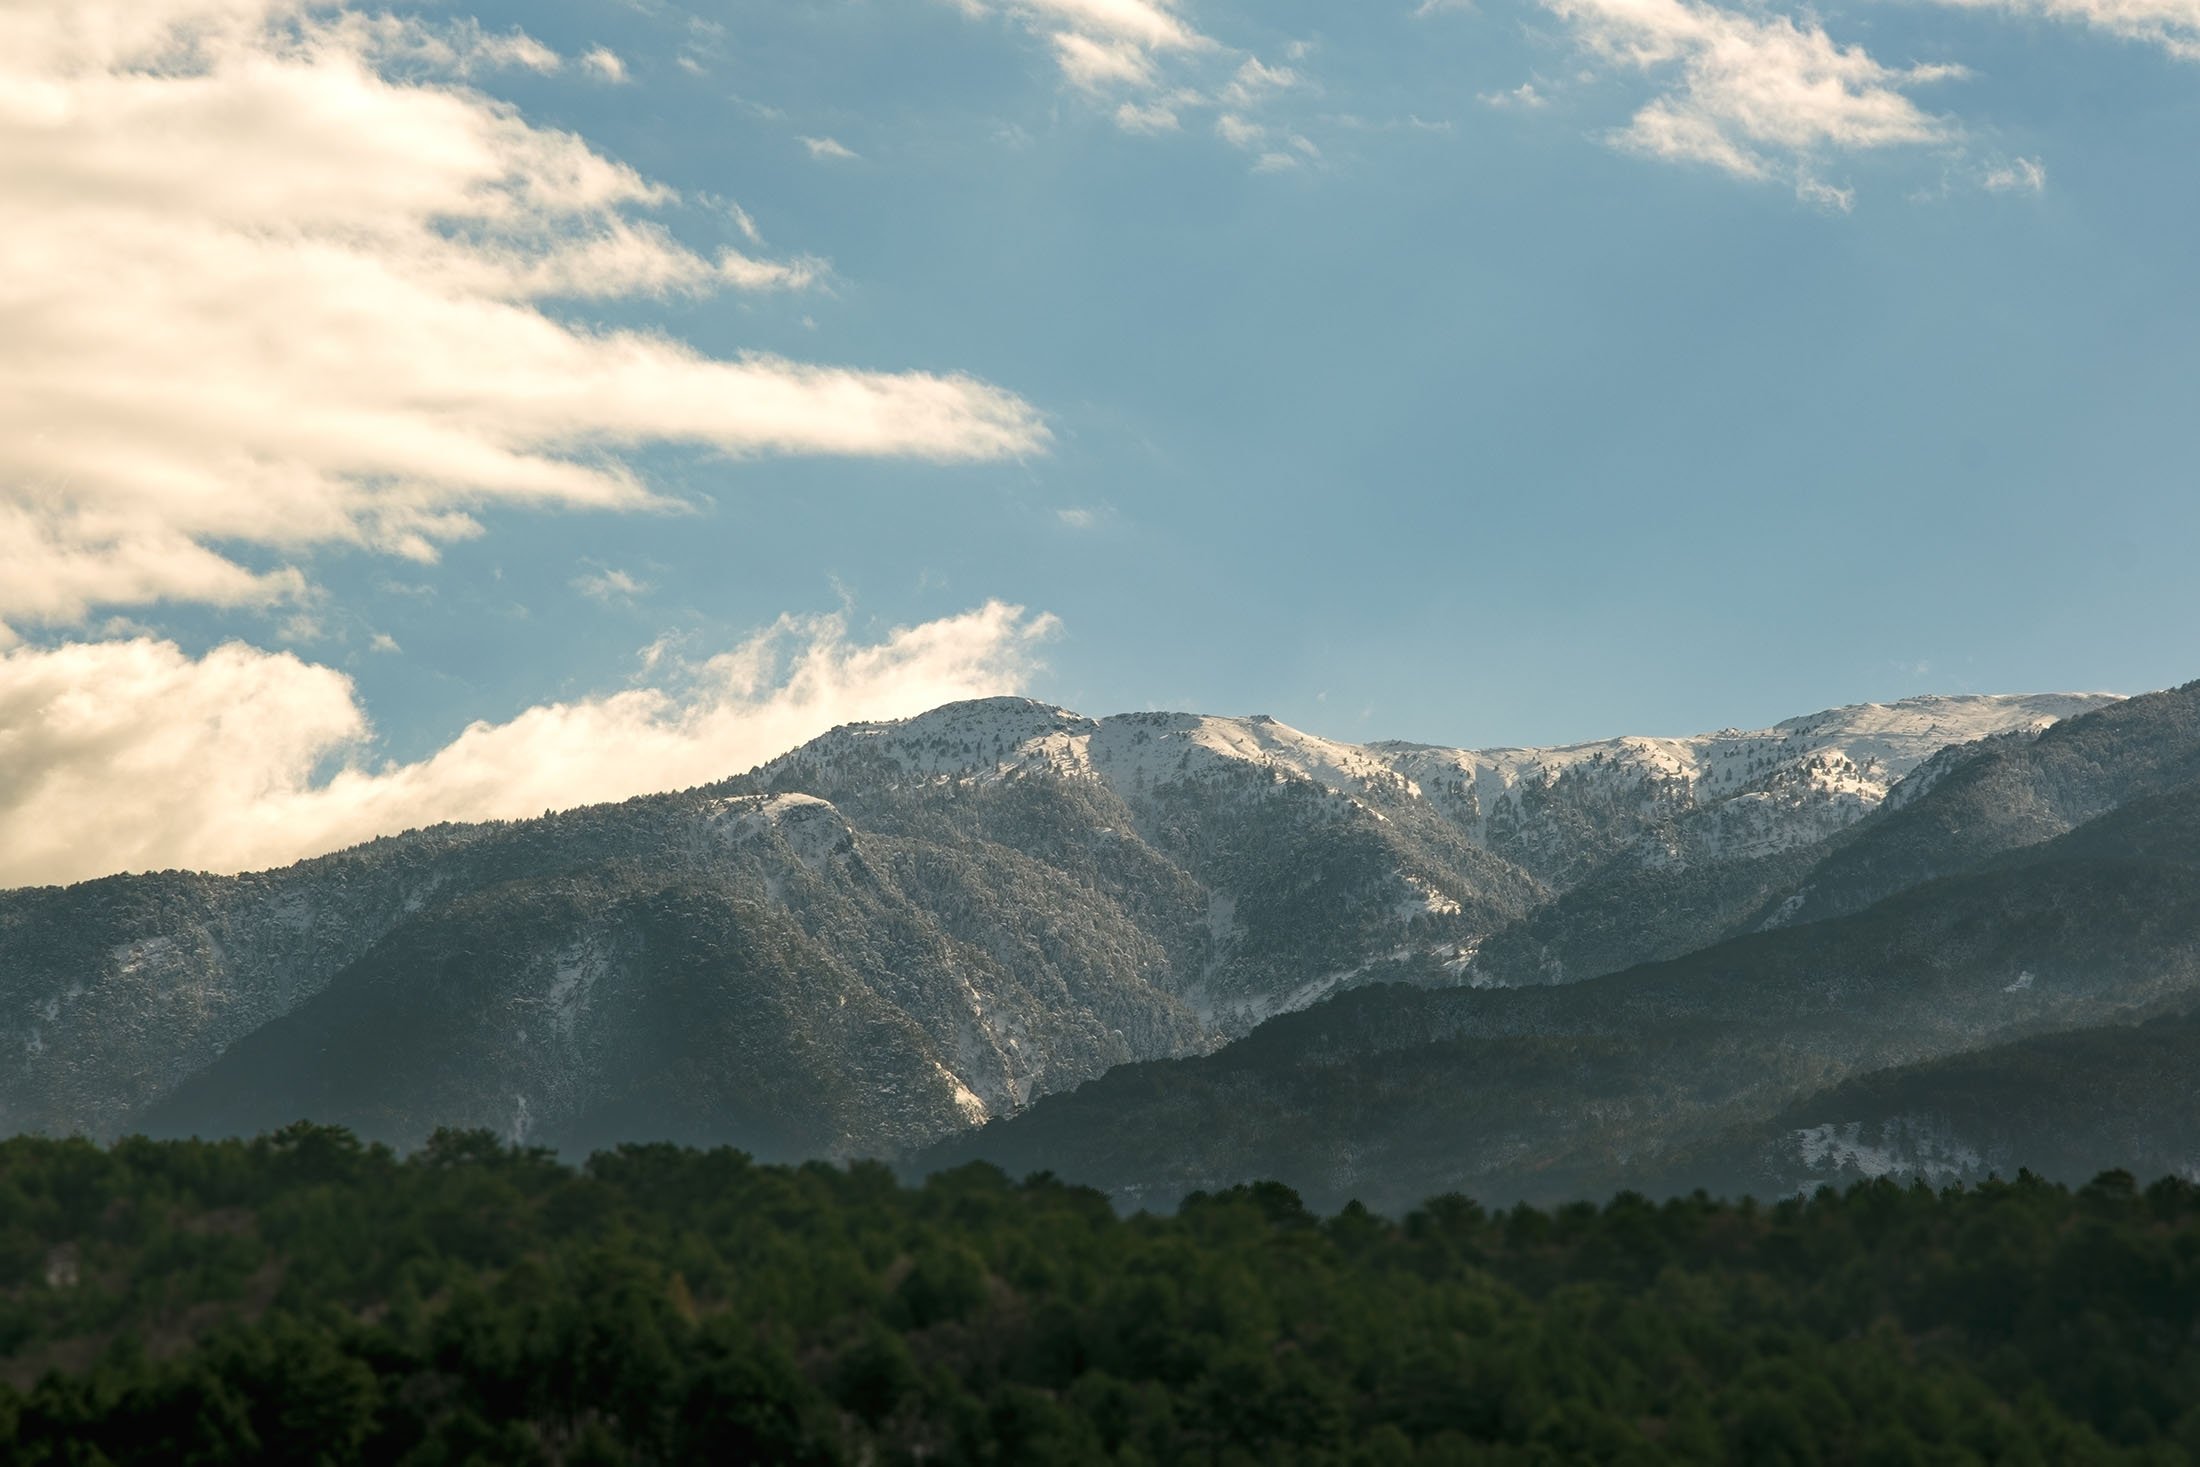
885	935
1391	1095
1966	804
1547	1092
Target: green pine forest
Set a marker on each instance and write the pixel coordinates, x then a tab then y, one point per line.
306	1298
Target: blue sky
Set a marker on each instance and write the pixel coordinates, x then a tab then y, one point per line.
1488	373
1493	431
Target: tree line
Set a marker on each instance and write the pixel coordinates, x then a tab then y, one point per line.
306	1298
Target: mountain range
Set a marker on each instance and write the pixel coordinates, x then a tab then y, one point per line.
1162	951
2023	906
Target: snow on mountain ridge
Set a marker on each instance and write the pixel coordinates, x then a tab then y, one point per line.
1838	763
1887	738
977	738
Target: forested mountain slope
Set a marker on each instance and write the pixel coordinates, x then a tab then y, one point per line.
2057	1105
884	935
1548	1092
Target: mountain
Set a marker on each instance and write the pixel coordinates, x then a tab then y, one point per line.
1390	1095
885	935
1566	813
1633	1078
1998	793
2006	793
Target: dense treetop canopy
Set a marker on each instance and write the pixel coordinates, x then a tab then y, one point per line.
304	1298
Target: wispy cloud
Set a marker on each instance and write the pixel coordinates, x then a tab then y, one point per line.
460	47
2174	25
1151	65
1147	117
610	585
1254	82
1757	94
828	148
605	64
1276	147
1103	45
133	755
1523	97
273	279
2017	176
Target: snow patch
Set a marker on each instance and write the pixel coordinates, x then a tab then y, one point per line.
1424	900
966	1100
573	975
1785	912
1903	1147
132	958
1260	1009
812	829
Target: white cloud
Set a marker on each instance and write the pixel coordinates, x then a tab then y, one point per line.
1254	82
1153	117
744	223
2174	25
1238	132
1813	190
1103	45
706	44
1152	25
460	47
272	280
383	642
605	63
1276	150
1756	94
1096	66
828	148
609	585
1077	519
1147	59
2017	176
134	756
1524	96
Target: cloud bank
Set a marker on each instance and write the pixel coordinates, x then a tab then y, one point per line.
135	756
276	278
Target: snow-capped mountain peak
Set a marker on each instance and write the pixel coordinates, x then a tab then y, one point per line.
1555	810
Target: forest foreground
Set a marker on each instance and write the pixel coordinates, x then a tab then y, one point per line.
306	1298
